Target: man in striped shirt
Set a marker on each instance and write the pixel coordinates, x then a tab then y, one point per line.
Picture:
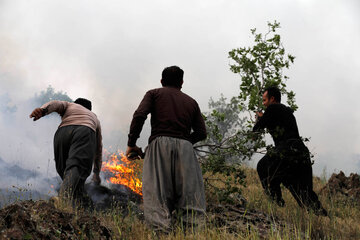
77	145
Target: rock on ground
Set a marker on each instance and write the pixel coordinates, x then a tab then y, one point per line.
339	184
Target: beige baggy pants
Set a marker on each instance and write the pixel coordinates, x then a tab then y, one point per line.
172	181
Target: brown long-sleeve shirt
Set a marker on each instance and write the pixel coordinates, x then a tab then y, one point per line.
173	114
75	114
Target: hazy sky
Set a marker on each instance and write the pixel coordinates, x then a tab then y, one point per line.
113	51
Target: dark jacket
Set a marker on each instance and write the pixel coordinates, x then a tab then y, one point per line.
279	120
173	114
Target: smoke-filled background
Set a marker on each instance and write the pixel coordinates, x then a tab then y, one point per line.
112	52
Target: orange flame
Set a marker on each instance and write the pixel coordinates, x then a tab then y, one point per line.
123	172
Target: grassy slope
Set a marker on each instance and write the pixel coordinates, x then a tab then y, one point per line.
343	223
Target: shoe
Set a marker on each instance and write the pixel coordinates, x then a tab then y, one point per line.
54	200
280	202
321	212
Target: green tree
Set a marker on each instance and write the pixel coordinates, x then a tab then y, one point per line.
262	66
50	94
229	123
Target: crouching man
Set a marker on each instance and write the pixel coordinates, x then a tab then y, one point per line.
172	178
289	161
77	145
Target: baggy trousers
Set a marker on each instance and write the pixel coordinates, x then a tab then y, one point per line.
172	180
74	149
290	165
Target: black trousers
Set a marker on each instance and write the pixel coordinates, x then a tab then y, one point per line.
289	164
74	149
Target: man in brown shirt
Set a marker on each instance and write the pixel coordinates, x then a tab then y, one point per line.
172	178
77	145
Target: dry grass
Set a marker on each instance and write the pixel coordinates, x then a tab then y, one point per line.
343	221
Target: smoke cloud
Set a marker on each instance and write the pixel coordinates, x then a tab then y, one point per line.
26	158
112	52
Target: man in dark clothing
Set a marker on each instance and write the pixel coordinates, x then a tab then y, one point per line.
172	178
77	145
289	161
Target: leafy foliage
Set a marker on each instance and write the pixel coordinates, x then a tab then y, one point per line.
229	143
50	94
230	138
262	66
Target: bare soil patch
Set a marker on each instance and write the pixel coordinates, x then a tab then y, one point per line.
41	220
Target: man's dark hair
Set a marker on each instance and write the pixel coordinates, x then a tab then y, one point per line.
273	91
84	102
172	76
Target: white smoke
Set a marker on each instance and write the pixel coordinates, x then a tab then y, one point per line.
112	52
26	157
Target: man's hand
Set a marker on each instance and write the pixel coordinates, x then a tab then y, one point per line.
258	115
36	114
133	149
96	178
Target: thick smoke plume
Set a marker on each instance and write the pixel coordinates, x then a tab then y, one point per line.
26	152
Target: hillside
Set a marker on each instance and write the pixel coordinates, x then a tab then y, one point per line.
252	217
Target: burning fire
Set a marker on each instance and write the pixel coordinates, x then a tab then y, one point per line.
123	172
